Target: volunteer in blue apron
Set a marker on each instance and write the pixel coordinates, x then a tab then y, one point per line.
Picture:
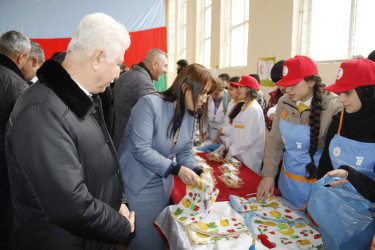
350	141
217	105
301	121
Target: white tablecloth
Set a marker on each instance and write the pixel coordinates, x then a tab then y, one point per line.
178	240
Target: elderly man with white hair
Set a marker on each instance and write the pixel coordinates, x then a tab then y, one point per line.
14	51
66	183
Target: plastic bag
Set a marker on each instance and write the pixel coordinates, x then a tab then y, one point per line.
205	167
215	157
229	168
233	161
231	180
342	214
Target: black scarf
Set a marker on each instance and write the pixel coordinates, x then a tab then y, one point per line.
360	126
6	62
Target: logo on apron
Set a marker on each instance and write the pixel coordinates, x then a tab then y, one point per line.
336	151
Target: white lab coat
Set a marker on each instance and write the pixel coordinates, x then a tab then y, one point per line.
247	136
227	125
213	121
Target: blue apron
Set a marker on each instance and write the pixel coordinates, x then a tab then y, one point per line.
358	155
293	184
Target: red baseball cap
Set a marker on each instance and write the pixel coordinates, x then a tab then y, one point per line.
247	81
296	69
352	74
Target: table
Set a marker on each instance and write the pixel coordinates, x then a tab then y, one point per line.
175	236
250	178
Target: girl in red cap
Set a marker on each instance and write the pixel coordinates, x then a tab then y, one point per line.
247	131
299	126
350	141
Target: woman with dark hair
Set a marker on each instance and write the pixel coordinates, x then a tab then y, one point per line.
275	95
350	141
300	124
162	126
246	137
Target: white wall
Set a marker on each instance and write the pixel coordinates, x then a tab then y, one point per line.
273	32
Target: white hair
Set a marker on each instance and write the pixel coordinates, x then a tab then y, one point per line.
100	31
12	43
37	51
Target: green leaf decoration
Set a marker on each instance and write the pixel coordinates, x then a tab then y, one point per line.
211	225
215	239
178	211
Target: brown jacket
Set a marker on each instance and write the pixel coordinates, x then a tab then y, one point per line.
275	145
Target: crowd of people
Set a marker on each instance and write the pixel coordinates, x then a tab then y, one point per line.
89	149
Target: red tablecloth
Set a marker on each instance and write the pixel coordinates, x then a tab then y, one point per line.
249	177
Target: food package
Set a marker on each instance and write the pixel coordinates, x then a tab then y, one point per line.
215	157
231	180
233	161
229	168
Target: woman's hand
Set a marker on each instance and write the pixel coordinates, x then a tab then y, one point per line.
217	140
309	218
220	131
265	188
188	177
204	136
340	173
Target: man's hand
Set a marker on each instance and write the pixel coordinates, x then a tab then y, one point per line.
124	211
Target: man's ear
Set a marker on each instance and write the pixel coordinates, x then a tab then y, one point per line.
34	61
154	63
21	58
97	59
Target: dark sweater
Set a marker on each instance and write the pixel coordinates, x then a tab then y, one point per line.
360	127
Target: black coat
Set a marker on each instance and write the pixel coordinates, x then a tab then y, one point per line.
11	87
64	175
359	127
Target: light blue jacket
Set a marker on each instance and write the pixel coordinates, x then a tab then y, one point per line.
146	149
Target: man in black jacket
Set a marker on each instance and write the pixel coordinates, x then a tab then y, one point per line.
134	84
14	51
66	183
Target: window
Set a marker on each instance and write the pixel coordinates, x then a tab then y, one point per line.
176	32
205	33
172	35
236	27
337	29
182	29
